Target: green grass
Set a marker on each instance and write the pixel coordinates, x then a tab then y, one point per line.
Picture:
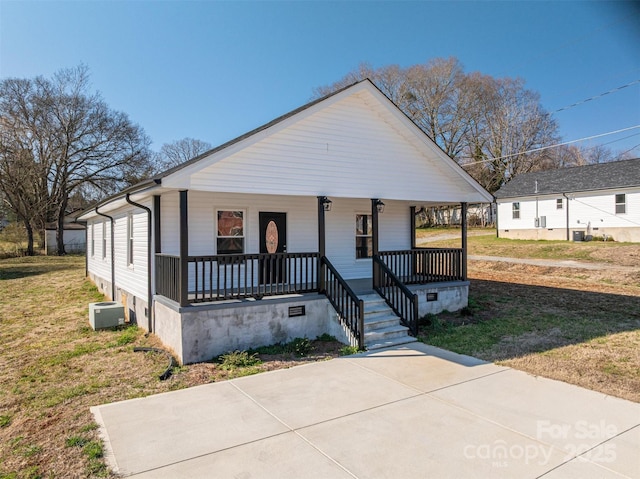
299	347
349	350
238	360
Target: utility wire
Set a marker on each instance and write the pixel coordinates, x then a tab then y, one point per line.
604	211
551	146
597	96
630	149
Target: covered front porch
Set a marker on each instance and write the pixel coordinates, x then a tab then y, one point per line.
404	278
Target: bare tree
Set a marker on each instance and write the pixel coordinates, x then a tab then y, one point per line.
510	126
73	139
485	123
177	152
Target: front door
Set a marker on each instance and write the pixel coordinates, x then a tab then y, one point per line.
273	239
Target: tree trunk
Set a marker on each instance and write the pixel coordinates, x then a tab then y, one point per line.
60	229
29	228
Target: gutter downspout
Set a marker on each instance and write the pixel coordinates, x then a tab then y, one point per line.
149	289
113	264
568	236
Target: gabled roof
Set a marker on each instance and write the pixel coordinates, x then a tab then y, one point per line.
239	159
600	176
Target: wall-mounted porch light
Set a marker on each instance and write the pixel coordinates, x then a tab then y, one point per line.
326	203
379	206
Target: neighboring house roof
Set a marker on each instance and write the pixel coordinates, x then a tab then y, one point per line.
600	176
67	226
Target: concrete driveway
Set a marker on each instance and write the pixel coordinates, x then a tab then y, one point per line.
406	412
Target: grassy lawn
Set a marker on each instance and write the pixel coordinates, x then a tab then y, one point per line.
574	325
53	367
485	243
578	326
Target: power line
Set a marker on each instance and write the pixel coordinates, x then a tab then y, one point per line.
630	149
553	146
604	211
597	96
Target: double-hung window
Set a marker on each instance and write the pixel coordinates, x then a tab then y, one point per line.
364	238
515	210
130	239
621	204
230	232
104	240
93	239
559	204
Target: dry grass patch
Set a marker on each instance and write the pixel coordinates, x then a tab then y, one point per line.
54	367
577	326
485	243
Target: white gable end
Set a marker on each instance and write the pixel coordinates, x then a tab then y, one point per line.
355	146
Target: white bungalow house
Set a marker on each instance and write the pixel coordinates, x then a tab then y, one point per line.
573	203
300	227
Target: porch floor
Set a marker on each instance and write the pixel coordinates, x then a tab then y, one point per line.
361	286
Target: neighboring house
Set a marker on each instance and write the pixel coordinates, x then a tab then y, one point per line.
301	227
573	203
74	237
479	214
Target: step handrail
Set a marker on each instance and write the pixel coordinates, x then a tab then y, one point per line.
350	308
396	294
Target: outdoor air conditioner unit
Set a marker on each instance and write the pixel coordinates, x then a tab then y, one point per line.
107	314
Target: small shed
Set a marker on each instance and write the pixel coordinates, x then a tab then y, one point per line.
74	234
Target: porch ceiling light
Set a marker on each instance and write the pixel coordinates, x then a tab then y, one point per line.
326	203
380	206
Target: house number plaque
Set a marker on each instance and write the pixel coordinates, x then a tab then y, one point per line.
271	237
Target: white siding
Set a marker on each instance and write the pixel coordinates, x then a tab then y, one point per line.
97	264
595	208
131	278
599	209
352	148
302	229
393	233
302	225
530	208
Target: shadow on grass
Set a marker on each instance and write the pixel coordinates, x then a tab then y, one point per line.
507	320
16	268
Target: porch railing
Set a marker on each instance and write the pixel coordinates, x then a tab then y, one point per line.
425	265
350	308
237	276
403	302
168	282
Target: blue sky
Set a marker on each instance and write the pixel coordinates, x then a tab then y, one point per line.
215	70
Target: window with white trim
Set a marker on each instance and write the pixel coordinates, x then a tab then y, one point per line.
364	238
559	204
621	204
515	210
230	231
104	240
130	239
93	239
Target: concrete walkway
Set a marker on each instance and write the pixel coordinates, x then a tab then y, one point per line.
407	412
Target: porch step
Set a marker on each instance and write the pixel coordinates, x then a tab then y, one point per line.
380	321
391	342
382	328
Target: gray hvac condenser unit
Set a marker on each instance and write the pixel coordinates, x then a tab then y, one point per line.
107	314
